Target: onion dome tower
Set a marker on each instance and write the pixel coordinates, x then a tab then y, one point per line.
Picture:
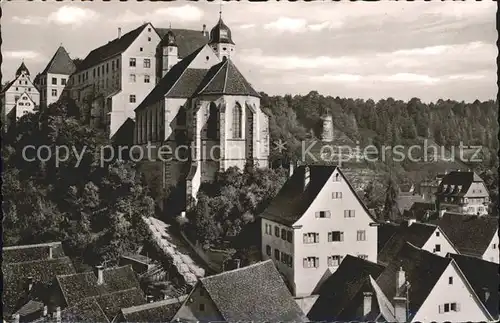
221	41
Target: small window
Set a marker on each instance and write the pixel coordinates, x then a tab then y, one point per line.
311	237
146	78
437	233
364	257
311	262
63	81
277	231
54	81
132	98
437	248
149	38
276	254
283	234
207	58
334	261
149	30
450	280
54	92
323	214
336	195
202	307
132	78
335	236
17	89
361	235
132	62
289	236
268	250
336	178
446	307
21	103
494	246
147	63
141	49
349	213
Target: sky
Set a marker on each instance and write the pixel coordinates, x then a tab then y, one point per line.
430	50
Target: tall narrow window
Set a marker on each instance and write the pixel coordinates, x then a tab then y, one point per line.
212	123
237	124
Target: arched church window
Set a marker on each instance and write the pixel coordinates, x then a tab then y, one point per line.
212	124
237	124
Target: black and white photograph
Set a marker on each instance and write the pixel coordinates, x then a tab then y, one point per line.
238	161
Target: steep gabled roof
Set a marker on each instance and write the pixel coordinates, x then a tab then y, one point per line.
292	201
168	81
8	85
415	233
162	311
112	303
253	293
423	270
471	235
86	311
449	186
82	285
385	231
225	78
32	252
187	40
338	291
60	63
113	48
42	272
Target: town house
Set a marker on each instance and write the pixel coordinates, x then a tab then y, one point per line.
312	224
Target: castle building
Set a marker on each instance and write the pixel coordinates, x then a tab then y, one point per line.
204	111
19	96
54	78
114	78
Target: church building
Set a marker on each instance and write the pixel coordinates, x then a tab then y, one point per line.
19	96
203	113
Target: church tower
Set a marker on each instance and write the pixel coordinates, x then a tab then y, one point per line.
221	41
167	54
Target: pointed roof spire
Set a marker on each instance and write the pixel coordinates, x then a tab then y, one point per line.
22	68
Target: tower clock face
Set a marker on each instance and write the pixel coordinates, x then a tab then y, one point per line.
223	33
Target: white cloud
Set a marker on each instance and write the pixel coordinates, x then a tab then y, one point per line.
466	77
410	77
66	15
365	79
185	13
247	26
23	54
464	9
299	25
330	78
256	57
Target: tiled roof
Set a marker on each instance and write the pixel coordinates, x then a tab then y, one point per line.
43	272
481	275
451	181
423	269
225	78
292	200
22	68
86	311
32	252
253	293
8	85
60	63
113	48
112	303
162	311
405	202
82	285
168	81
187	83
419	209
30	307
187	40
416	233
385	232
471	235
338	291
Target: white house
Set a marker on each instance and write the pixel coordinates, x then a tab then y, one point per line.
312	224
463	192
426	236
471	235
419	286
54	78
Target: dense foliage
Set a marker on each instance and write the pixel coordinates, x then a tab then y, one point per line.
95	210
229	205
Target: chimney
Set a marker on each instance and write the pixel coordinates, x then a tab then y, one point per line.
165	294
237	263
99	272
119	32
307	176
291	169
411	221
149	298
367	303
441	213
30	283
15	318
400	300
486	294
58	314
45	310
204	30
50	252
183	214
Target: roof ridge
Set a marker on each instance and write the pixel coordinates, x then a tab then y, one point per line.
170	301
225	77
212	78
260	263
244	79
38	261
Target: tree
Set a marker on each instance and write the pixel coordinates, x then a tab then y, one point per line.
391	211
